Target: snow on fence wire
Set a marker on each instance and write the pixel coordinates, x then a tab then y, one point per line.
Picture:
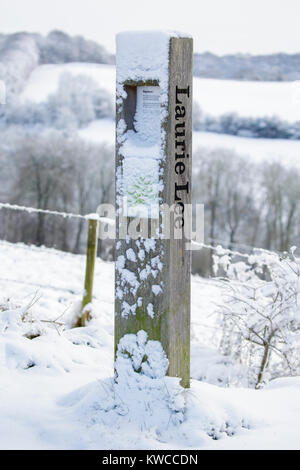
227	251
34	210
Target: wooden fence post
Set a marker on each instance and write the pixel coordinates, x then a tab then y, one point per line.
154	170
91	253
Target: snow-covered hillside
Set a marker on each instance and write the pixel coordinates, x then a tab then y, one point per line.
56	389
256	99
44	79
216	97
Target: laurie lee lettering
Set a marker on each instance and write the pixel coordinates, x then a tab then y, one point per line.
181	185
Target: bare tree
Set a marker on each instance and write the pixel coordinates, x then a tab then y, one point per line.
281	196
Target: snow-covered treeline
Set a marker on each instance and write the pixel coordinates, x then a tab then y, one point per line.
58	397
267	127
245	203
21	52
78	101
19	55
52	171
272	67
59	47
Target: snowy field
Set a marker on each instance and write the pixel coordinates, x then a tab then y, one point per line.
256	150
256	99
56	388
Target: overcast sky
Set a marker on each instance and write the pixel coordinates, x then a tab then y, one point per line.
220	26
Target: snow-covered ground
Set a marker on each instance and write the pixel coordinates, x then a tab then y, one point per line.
56	389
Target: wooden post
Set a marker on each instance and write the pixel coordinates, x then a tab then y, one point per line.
153	168
89	268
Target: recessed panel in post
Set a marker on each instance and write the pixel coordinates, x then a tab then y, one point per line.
153	158
141	155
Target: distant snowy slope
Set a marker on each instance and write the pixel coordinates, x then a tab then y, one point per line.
216	97
248	99
285	151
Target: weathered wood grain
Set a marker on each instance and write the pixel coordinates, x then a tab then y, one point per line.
171	322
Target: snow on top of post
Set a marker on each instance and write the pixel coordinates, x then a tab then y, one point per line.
144	55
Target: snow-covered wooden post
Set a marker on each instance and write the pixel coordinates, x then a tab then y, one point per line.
153	173
91	253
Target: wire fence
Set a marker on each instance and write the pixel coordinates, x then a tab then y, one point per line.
34	210
91	250
218	245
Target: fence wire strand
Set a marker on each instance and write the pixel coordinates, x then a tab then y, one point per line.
34	210
105	220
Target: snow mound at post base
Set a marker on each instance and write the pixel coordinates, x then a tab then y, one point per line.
144	406
141	406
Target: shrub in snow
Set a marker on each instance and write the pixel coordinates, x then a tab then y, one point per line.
80	98
260	315
19	320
